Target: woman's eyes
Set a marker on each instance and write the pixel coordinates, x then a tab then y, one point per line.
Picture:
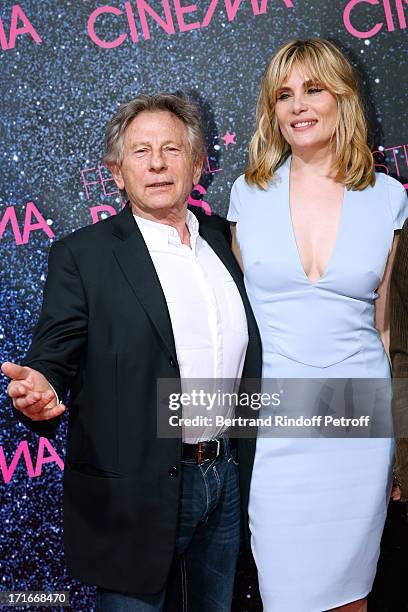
310	90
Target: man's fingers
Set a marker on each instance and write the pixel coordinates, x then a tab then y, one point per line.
396	493
34	398
13	370
34	402
19	388
48	413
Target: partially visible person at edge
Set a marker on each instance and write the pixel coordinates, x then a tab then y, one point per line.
152	293
399	358
313	226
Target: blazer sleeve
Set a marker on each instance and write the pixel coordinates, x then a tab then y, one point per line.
61	332
399	357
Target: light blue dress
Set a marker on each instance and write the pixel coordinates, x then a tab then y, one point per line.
317	505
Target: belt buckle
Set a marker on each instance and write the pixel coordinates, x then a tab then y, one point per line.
199	444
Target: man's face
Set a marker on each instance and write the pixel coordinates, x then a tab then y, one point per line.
157	171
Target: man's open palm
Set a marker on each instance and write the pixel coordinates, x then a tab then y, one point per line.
31	393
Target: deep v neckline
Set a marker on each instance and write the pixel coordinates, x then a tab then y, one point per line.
295	242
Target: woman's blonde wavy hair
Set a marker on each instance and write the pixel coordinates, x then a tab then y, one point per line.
324	63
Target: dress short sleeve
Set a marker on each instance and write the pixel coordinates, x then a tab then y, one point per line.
235	201
398	202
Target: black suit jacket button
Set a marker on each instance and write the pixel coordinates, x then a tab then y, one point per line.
172	362
173	471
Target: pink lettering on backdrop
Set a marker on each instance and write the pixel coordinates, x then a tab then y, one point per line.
183	10
194	202
208	168
377	165
347	20
132	23
45	444
388	15
103	177
167	24
32	211
165	21
23	451
10	217
383	151
17	14
102	209
230	8
390	9
28	227
3	37
91	28
260	10
400	13
394	153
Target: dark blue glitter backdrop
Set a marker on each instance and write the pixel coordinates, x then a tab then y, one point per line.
59	88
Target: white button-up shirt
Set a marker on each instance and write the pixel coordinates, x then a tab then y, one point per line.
207	316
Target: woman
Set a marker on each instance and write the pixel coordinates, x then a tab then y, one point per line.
313	226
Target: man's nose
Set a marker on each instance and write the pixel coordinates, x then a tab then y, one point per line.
157	161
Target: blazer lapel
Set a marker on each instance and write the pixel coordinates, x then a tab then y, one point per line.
136	264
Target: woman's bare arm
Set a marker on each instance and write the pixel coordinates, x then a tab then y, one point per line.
234	246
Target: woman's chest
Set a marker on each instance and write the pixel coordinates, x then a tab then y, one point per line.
356	251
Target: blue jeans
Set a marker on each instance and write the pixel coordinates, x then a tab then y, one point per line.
207	544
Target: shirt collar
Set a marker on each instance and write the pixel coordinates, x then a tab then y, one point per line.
157	234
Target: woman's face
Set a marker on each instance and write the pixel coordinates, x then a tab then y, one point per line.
306	113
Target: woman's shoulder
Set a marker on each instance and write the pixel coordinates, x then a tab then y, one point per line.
390	183
279	176
393	192
241	185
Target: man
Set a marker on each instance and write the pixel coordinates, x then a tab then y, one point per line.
149	294
399	358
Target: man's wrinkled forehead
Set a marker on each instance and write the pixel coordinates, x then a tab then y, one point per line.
156	126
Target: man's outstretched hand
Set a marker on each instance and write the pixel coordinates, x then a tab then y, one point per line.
31	393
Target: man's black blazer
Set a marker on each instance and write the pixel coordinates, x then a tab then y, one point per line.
105	334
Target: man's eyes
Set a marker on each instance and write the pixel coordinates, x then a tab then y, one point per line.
170	149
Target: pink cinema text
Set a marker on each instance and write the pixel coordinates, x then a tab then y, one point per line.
45	454
33	221
390	15
133	18
19	25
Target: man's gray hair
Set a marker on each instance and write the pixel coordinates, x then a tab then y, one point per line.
178	104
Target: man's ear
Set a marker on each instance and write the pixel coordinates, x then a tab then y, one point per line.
117	175
197	170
